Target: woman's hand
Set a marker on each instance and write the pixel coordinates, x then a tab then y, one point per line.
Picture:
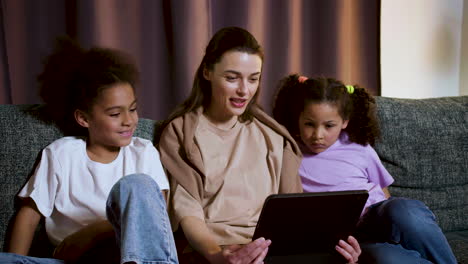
254	252
349	249
201	239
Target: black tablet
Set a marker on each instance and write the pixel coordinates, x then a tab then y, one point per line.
309	222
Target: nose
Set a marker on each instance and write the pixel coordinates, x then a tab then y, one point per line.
243	87
318	133
128	119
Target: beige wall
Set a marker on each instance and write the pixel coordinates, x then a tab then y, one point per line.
464	53
421	48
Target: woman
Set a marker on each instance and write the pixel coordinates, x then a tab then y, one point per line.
225	155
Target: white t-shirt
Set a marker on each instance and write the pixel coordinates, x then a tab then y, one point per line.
71	190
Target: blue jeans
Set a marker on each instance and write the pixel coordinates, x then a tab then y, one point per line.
137	211
10	258
401	230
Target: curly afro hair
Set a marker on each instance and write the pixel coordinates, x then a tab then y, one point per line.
74	77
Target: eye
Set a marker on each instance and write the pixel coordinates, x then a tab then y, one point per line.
309	124
114	114
133	109
231	78
329	125
254	79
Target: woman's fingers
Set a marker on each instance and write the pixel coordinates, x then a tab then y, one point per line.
261	257
255	248
254	252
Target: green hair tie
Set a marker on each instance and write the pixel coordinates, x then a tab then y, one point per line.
350	89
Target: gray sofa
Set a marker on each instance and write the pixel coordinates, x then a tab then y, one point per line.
424	146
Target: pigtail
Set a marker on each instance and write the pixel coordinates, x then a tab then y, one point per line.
287	103
363	127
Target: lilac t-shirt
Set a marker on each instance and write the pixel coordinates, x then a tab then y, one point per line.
345	166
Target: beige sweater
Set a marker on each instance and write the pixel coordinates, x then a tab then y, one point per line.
183	161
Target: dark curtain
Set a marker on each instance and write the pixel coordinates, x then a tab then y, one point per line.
334	38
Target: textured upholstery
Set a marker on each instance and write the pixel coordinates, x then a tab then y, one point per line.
424	145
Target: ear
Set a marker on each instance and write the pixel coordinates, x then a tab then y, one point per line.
345	124
206	74
81	118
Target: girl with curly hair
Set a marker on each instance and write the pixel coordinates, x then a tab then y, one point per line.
101	189
335	126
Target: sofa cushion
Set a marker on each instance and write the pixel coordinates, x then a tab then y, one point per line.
424	146
458	240
25	132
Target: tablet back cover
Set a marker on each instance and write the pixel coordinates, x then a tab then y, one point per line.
309	222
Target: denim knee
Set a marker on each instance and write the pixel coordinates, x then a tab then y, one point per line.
138	186
408	214
137	182
386	253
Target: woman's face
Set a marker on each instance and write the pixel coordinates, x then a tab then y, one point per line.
234	81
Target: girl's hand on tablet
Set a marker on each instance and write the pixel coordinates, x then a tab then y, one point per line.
349	249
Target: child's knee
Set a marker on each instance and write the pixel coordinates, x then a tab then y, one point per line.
413	214
384	253
137	182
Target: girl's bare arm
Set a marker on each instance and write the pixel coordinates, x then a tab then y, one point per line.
386	192
24	226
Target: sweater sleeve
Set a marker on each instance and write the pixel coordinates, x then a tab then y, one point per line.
290	181
183	205
175	159
185	180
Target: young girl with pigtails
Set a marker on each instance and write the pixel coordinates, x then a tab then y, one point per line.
102	186
335	126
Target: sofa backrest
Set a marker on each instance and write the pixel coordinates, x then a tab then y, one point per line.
424	146
25	131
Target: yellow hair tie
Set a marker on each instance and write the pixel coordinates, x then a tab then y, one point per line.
350	89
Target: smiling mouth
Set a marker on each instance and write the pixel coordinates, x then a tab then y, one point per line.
128	133
238	102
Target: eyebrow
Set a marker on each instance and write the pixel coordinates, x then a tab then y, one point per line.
314	121
119	107
236	72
